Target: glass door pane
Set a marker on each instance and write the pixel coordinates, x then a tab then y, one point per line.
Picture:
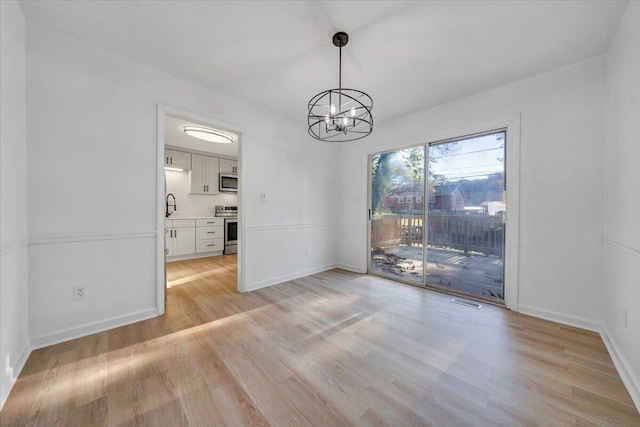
397	214
466	216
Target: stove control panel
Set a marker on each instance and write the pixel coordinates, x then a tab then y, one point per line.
226	211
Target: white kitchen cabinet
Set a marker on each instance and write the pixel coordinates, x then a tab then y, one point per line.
193	238
209	235
210	222
209	245
184	240
209	232
181	237
204	174
177	159
228	166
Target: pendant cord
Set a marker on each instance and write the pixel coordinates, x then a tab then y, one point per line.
340	79
340	70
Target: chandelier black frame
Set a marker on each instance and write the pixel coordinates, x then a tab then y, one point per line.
340	115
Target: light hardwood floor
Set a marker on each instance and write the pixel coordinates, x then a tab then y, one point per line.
332	349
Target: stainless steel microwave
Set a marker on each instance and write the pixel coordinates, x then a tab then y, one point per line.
229	182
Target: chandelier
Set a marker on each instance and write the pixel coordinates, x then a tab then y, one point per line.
340	115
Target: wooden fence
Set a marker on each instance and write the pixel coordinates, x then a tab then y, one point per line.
475	232
386	230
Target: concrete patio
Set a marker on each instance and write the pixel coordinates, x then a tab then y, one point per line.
473	272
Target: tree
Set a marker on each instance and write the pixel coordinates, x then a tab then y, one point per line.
381	179
402	171
414	162
414	171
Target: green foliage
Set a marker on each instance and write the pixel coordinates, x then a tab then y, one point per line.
381	179
414	162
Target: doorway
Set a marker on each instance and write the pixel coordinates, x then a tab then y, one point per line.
200	237
438	215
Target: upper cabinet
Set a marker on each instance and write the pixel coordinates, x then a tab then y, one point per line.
204	174
177	159
228	166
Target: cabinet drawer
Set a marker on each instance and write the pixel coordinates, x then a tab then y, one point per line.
183	223
209	245
209	233
210	222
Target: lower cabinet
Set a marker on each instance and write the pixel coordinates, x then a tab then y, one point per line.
209	246
190	238
181	239
209	235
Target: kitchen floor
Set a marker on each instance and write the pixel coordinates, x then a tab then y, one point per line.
218	271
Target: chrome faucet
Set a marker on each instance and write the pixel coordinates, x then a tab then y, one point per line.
167	213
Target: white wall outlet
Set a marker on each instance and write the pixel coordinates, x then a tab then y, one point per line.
625	314
263	197
79	292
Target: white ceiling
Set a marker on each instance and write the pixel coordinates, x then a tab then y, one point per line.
408	56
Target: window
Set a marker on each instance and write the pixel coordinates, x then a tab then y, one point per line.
409	199
418	199
400	199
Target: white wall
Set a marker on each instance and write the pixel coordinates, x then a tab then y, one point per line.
14	333
622	200
194	204
92	186
91	177
560	186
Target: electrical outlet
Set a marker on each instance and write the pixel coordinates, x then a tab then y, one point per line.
79	292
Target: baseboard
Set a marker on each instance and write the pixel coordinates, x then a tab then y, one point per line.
68	334
629	379
10	375
351	268
626	374
280	279
577	322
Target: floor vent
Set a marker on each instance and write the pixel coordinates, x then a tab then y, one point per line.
467	303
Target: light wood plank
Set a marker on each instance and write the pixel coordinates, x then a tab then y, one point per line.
332	349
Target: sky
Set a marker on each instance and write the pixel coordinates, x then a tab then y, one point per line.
473	158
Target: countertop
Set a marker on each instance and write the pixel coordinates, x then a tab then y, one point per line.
191	216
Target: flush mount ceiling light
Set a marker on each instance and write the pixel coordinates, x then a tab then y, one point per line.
340	115
208	134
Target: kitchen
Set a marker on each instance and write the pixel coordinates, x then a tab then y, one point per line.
201	204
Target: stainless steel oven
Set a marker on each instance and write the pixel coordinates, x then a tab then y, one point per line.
230	236
230	215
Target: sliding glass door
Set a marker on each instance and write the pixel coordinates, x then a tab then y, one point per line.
397	214
449	235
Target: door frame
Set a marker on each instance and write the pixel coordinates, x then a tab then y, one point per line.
511	126
163	111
